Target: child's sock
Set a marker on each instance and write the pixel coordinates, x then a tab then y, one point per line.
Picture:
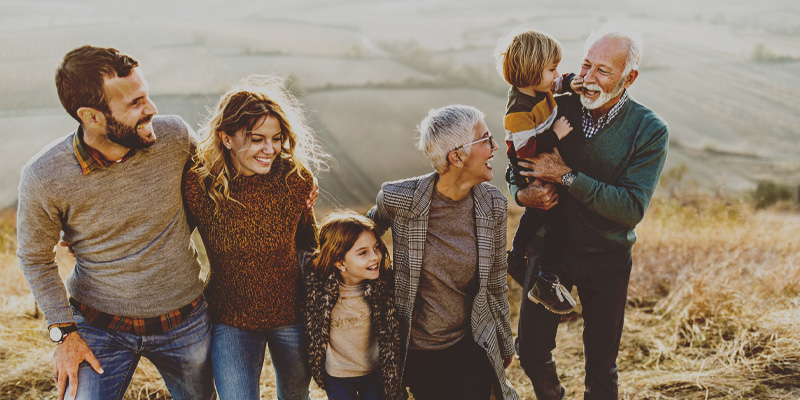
548	276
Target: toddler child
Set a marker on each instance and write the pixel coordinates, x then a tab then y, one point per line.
528	61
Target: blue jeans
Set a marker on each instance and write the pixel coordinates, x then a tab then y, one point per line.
181	355
367	387
237	356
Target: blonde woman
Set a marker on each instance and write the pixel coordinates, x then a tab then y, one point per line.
247	194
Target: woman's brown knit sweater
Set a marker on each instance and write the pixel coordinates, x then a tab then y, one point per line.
255	282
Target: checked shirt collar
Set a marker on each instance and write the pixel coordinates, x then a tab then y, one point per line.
591	128
89	158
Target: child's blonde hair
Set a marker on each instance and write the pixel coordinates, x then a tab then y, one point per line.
338	234
523	54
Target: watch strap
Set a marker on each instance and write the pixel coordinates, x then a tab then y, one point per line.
62	331
69	328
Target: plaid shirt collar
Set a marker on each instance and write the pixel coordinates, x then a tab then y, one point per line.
591	128
89	158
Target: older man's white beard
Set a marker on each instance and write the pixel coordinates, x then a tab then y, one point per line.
604	97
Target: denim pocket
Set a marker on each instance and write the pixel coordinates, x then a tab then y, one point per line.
199	308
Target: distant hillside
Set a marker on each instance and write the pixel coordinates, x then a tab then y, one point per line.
723	74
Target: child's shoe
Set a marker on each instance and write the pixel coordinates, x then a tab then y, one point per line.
552	295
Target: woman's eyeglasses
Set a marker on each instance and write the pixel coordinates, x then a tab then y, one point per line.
490	138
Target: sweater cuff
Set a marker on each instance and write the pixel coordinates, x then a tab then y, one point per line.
581	186
62	315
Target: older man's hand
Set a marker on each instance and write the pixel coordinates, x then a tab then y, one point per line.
546	166
538	194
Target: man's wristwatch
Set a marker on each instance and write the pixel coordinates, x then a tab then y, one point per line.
568	178
59	333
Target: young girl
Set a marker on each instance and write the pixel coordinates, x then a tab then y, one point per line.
349	312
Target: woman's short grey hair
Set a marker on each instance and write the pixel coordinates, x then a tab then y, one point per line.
618	32
444	129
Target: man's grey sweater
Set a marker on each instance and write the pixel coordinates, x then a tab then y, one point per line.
126	225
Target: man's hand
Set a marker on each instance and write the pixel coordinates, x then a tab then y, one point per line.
313	195
67	358
507	362
546	166
538	194
68	246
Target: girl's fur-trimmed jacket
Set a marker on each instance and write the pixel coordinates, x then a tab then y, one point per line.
322	292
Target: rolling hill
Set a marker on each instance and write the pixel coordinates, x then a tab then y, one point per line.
723	74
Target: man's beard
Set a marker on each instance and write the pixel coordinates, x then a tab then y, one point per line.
604	97
127	136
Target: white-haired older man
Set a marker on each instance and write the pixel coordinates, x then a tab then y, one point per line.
609	175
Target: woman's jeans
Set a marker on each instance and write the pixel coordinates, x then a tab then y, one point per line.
237	356
367	387
180	354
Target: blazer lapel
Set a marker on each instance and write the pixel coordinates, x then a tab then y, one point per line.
484	232
418	230
484	236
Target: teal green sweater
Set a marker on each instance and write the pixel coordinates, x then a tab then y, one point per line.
618	170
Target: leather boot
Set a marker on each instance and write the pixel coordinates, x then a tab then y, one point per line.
545	381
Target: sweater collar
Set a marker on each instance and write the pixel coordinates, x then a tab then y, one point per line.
590	127
89	158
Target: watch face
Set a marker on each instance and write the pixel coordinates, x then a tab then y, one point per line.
55	334
567	179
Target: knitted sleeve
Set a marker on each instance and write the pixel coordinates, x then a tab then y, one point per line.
626	201
528	125
38	230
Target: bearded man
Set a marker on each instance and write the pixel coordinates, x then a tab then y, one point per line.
114	192
608	174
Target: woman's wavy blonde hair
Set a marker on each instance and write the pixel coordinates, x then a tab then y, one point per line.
243	108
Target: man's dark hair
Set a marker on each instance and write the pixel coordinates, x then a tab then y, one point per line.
79	78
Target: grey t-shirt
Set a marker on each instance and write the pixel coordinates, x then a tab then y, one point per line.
448	281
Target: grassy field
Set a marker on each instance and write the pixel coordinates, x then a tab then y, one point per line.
712	313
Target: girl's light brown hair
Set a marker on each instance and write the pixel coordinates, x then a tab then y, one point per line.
241	109
338	234
523	55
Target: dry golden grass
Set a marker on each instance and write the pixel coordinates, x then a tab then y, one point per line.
714	304
713	313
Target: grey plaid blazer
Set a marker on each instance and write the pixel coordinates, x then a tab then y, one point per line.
404	206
